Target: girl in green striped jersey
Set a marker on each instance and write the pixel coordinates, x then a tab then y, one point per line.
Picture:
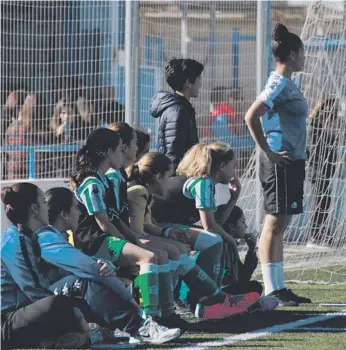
205	166
167	253
99	231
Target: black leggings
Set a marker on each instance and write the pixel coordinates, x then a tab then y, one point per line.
47	318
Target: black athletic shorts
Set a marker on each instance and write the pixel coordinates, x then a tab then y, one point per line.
283	186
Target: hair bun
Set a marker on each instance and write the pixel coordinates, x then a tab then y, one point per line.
280	32
7	195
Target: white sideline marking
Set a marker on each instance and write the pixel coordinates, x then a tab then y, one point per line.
263	332
323	329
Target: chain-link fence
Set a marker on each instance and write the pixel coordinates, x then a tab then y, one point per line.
64	71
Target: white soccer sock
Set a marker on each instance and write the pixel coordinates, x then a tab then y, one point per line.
269	273
280	275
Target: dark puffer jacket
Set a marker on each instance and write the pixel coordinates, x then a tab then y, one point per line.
177	130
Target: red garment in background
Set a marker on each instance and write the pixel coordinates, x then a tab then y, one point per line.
226	110
17	135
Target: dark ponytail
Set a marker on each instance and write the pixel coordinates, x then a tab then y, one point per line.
17	200
284	42
134	176
90	156
84	167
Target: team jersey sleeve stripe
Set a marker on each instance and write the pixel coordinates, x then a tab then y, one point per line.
272	89
92	198
204	197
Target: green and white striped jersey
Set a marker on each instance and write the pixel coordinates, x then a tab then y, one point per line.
115	176
202	190
91	193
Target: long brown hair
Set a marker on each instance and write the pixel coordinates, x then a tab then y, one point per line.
26	112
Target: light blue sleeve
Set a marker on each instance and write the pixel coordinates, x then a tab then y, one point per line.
274	86
57	251
29	280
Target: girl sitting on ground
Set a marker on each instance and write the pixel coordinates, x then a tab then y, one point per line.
237	272
237	277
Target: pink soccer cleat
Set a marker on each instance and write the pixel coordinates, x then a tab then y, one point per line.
232	305
244	300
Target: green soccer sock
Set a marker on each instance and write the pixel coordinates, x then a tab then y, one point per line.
148	283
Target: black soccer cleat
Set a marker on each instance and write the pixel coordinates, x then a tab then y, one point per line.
284	300
292	296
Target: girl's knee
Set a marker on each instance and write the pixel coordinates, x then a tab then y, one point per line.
207	240
174	252
148	258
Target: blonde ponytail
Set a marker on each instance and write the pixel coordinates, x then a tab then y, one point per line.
202	159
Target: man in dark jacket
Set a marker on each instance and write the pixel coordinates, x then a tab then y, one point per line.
178	130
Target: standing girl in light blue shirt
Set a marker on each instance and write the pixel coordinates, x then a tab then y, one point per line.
282	140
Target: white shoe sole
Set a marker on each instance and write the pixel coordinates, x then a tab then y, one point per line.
162	341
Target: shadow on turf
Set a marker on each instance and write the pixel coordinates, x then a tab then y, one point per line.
251	322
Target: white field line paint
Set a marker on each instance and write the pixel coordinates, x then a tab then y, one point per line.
323	329
263	332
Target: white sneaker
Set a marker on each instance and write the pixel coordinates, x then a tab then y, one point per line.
151	332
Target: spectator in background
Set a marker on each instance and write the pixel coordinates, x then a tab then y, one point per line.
10	113
11	108
62	120
225	101
107	110
178	129
63	125
27	129
323	156
19	133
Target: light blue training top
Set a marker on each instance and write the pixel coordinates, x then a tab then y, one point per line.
285	122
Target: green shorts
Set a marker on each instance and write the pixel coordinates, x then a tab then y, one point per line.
111	249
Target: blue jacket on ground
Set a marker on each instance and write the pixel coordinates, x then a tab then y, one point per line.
177	129
20	284
57	251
